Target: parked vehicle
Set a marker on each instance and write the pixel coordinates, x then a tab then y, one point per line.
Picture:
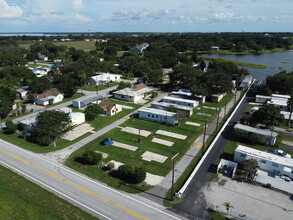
285	177
279	153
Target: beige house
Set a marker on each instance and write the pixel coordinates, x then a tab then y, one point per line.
77	118
110	108
218	97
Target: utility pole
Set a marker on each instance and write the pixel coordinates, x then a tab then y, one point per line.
204	136
272	129
225	105
235	93
219	111
173	176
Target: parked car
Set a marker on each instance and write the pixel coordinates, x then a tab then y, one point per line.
285	177
279	153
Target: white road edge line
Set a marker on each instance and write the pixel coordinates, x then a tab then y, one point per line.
87	178
49	187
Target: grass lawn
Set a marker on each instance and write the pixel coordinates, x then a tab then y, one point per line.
286	138
218	216
99	87
78	45
21	142
22	199
238	63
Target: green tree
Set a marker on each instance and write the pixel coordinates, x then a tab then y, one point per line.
250	165
154	77
91	157
228	206
268	115
10	127
50	124
7	97
132	174
92	112
281	82
67	85
40	84
290	106
123	85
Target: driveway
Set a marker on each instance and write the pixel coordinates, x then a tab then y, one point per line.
275	181
254	201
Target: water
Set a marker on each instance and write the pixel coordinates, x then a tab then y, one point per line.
275	62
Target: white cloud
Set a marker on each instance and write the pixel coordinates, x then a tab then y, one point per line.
82	18
7	11
223	16
77	4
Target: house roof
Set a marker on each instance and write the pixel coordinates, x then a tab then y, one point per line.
48	93
106	105
157	111
139	86
105	76
23	89
87	99
255	130
180	100
131	92
250	152
166	104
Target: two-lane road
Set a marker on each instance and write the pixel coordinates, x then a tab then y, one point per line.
100	200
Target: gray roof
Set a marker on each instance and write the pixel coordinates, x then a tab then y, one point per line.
166	104
87	99
255	130
157	112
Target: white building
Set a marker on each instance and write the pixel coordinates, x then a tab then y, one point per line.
188	111
185	93
272	163
245	83
270	137
135	94
158	115
179	101
104	79
280	101
84	102
262	98
77	118
46	97
227	168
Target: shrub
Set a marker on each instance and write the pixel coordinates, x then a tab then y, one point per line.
92	111
154	95
110	166
10	127
91	157
132	174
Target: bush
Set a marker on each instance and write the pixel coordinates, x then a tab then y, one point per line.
110	166
10	127
154	95
132	174
249	138
91	157
92	111
123	85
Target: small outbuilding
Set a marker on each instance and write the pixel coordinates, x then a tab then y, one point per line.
110	108
227	168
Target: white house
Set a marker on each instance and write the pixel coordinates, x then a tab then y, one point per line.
77	118
104	79
179	101
186	93
84	102
158	115
22	92
188	111
141	48
135	94
262	98
270	137
245	83
46	97
42	57
280	101
272	163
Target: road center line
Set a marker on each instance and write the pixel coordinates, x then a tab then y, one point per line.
75	185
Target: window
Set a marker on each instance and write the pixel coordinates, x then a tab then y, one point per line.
263	161
165	117
157	116
275	165
149	115
242	155
152	116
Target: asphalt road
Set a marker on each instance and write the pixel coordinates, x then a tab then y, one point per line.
98	199
194	206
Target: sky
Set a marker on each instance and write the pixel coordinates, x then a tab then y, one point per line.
146	15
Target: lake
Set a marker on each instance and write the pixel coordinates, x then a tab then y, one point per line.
275	62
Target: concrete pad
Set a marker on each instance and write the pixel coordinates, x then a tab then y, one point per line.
136	131
116	164
192	123
204	114
104	155
150	156
255	103
77	132
209	107
152	179
171	134
290	143
124	146
163	142
127	107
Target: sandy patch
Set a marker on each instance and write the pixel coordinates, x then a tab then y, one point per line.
136	131
209	107
150	156
171	134
77	132
204	114
116	164
163	142
124	146
192	123
104	155
152	179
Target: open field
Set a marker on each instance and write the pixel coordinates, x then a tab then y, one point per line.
78	45
22	199
238	63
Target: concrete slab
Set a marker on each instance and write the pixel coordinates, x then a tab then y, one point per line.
136	131
116	164
127	107
163	142
104	155
290	143
78	131
152	179
171	134
204	114
150	156
209	107
124	146
192	123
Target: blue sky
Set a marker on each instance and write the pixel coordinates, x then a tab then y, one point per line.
146	15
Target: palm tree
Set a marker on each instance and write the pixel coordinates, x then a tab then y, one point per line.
290	106
228	206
